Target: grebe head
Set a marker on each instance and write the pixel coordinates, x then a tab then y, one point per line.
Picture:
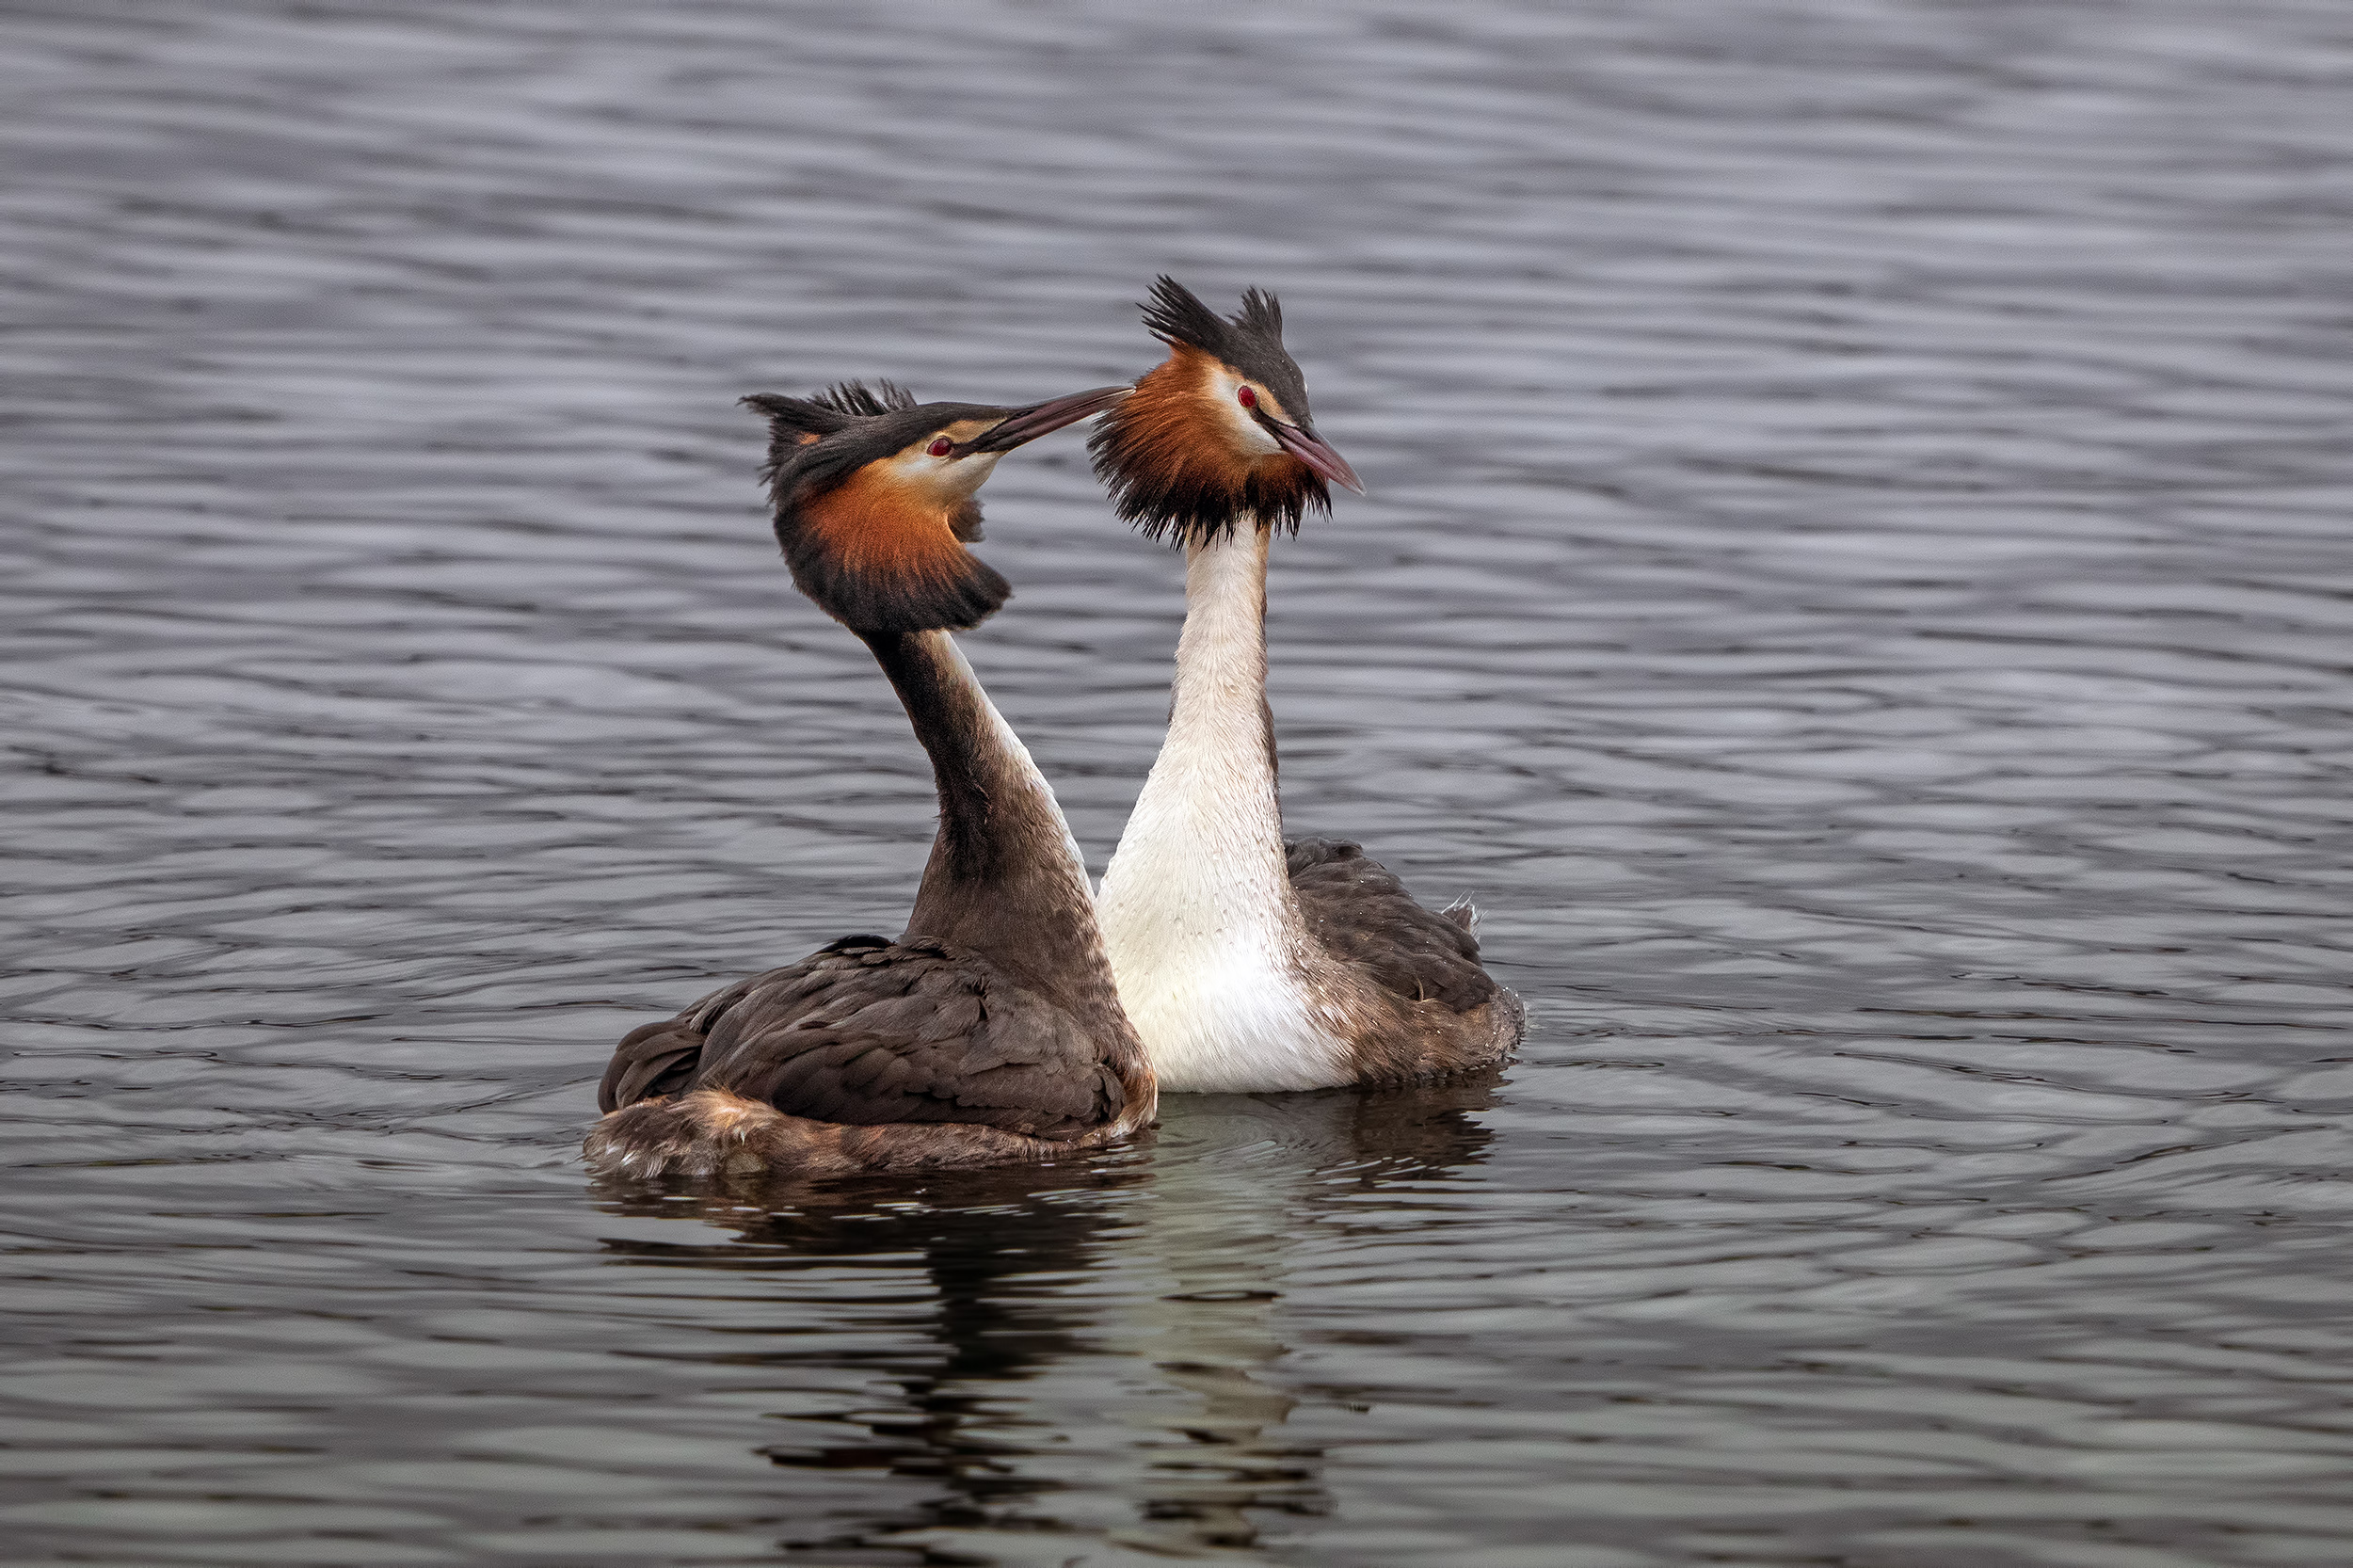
1218	429
876	496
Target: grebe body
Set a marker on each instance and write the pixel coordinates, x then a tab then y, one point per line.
989	1031
1245	960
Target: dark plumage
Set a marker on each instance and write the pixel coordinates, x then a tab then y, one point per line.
1421	1005
990	1031
1362	916
869	1031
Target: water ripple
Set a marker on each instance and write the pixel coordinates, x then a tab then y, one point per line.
1855	585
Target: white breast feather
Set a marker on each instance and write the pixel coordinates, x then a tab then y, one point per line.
1204	935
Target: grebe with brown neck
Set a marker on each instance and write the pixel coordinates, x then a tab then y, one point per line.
1244	961
990	1031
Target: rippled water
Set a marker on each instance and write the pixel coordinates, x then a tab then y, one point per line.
1858	587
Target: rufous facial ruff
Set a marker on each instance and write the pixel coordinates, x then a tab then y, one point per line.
883	552
1170	456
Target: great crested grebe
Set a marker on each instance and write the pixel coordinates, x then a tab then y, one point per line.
990	1032
1245	962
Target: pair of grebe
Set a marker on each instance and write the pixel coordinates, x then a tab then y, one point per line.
1022	1014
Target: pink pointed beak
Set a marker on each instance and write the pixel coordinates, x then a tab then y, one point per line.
1312	450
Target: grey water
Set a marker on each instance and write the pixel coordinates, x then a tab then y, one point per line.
1856	585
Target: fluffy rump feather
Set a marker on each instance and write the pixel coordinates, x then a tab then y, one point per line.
1360	913
1430	1008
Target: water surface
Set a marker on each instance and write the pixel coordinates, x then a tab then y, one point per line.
1856	585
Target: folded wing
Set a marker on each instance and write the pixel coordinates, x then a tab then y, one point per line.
869	1031
1362	914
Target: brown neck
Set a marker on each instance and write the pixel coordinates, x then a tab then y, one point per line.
1005	879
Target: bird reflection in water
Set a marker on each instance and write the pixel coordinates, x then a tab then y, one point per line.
1176	1254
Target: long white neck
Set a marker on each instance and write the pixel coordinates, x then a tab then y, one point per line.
1205	937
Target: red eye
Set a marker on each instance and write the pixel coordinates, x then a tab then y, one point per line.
940	446
1247	397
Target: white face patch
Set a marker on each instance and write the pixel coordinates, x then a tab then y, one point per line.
948	477
1249	435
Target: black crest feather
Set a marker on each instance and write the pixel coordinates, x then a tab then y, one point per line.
852	398
1175	314
796	422
1261	314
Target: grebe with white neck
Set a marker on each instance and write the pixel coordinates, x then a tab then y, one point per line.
1247	962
